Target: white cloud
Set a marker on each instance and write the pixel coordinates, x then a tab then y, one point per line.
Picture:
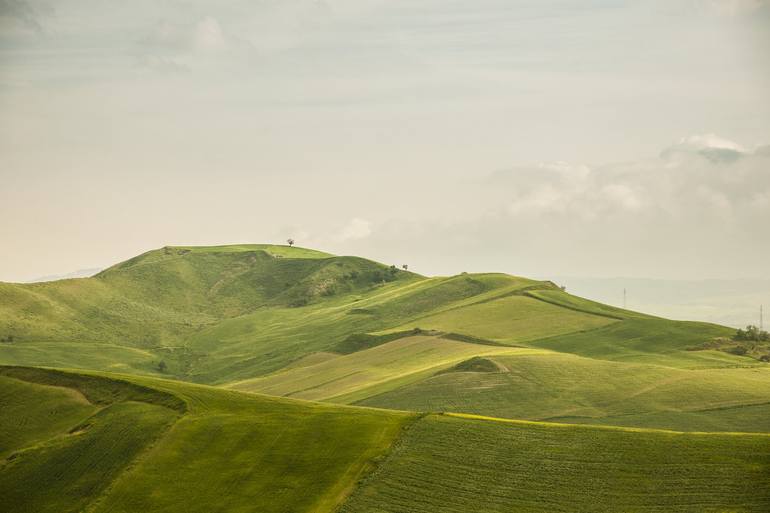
709	146
174	46
699	176
208	35
734	7
623	196
708	141
162	64
356	228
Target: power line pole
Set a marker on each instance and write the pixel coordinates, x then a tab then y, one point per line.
624	298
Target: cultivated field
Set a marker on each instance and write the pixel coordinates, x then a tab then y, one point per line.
456	465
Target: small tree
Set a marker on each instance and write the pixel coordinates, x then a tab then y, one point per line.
162	367
290	242
752	333
405	267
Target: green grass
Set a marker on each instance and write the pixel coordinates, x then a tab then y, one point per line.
81	355
510	319
654	341
273	249
372	370
32	413
569	388
561	298
456	465
305	324
213	450
269	339
69	472
162	297
216	314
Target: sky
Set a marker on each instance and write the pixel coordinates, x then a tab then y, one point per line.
538	138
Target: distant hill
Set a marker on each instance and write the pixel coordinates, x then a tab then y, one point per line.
732	302
80	273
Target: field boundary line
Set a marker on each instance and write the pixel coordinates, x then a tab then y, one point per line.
470	416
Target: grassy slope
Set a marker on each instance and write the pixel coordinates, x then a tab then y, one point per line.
68	472
150	305
227	451
372	370
569	388
81	355
222	314
163	295
219	314
63	463
653	341
455	465
32	413
269	339
224	451
511	319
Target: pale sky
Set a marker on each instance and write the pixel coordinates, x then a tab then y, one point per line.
597	138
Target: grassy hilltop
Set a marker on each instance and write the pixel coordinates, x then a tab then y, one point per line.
185	375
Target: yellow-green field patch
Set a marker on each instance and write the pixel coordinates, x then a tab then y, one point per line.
372	370
509	320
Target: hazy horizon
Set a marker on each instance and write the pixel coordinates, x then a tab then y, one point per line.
592	139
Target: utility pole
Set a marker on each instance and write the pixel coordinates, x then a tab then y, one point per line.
624	298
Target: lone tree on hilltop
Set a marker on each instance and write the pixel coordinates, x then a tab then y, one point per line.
290	242
405	267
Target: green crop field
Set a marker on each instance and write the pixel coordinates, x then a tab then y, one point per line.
183	379
455	465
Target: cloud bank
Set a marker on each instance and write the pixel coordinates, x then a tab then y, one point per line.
700	208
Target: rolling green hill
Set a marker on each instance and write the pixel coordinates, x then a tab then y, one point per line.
185	375
454	465
373	370
137	444
567	388
122	443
